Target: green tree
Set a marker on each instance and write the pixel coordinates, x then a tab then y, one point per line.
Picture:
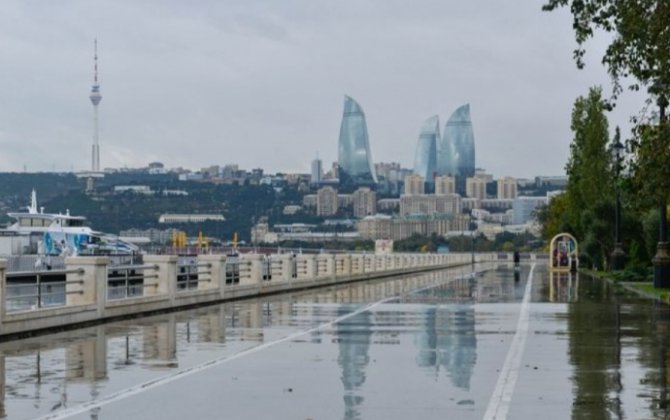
590	190
639	56
553	217
639	51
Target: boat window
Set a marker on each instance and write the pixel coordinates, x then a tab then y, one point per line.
74	222
25	222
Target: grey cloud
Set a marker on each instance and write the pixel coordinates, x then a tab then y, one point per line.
261	83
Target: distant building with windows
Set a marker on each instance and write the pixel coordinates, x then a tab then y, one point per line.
136	189
317	171
364	202
387	227
445	185
430	204
475	187
155	236
414	185
507	188
326	201
496	204
560	181
388	205
524	207
190	218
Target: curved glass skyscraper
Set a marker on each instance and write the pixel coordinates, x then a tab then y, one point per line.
354	158
456	154
459	139
425	158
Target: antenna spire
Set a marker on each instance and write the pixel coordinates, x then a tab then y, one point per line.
95	98
95	61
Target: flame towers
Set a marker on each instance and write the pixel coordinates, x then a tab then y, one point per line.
354	158
425	158
95	98
456	152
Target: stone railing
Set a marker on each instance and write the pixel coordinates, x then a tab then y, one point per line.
96	291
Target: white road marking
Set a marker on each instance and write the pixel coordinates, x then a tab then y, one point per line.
502	394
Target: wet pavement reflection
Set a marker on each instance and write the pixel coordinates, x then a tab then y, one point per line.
425	346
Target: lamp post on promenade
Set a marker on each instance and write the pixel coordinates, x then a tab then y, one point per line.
661	260
618	256
472	247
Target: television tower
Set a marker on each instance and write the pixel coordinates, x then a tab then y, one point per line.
95	97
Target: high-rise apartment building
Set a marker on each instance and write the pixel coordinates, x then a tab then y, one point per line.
475	187
507	188
425	157
317	171
445	185
364	202
326	201
414	184
354	157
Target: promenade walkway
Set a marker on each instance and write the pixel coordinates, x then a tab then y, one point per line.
497	344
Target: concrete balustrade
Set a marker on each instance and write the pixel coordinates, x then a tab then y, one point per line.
357	264
86	281
306	267
286	272
155	286
162	269
215	266
343	265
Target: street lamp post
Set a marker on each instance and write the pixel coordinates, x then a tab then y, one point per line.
618	257
472	247
661	260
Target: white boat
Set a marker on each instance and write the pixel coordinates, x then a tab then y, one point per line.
60	234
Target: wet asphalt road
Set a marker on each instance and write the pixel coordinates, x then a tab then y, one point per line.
439	345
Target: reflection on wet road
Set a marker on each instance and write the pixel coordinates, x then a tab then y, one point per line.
428	346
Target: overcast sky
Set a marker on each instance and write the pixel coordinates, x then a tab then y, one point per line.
261	83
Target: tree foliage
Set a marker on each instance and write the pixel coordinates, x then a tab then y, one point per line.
639	54
637	57
586	209
640	46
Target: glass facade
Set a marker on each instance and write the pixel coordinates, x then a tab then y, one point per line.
456	152
425	158
459	140
354	158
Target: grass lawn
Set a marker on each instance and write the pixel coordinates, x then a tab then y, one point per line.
649	288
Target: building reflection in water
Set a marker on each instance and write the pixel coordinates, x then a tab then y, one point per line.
353	337
447	338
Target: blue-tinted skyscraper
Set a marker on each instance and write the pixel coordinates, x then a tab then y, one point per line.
456	153
425	158
354	158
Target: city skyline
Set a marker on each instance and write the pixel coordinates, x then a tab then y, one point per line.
260	84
